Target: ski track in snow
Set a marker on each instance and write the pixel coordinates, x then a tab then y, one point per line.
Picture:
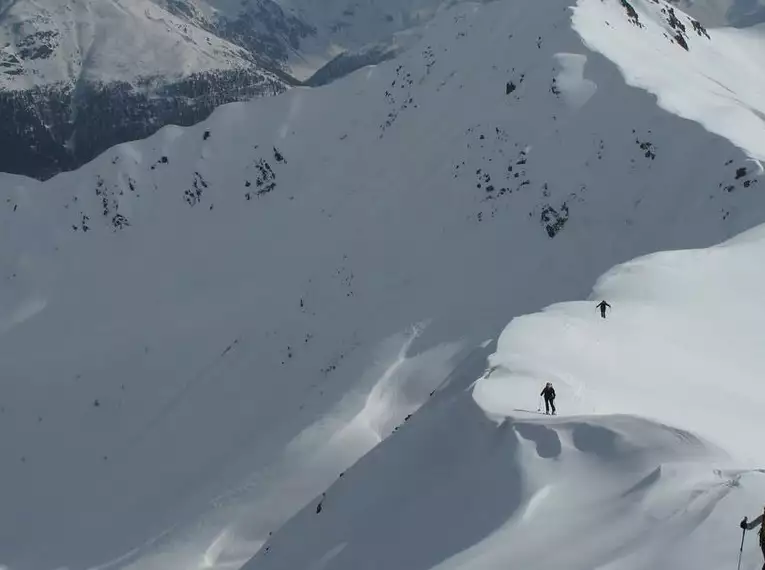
209	340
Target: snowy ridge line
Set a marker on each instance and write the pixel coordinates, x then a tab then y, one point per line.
625	490
705	87
641	494
690	293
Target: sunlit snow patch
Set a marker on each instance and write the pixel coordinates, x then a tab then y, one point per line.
570	81
682	345
717	82
393	387
455	490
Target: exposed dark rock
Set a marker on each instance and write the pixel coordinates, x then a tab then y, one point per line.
553	220
183	9
681	41
674	21
700	30
38	45
632	14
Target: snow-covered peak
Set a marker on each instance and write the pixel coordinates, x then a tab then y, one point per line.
104	41
77	77
126	40
717	82
679	346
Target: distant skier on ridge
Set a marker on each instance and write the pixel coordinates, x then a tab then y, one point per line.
602	306
549	394
746	525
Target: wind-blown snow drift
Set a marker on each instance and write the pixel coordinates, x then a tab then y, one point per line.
682	345
713	82
202	330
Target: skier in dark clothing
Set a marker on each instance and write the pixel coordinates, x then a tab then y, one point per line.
549	395
602	306
746	525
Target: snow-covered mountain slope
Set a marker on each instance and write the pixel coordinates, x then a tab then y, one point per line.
80	76
718	85
477	479
299	36
201	330
85	40
705	364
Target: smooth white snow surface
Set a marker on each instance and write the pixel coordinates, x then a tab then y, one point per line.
571	82
615	481
703	305
717	82
681	347
138	40
200	331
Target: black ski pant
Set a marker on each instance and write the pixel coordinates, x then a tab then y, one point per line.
550	403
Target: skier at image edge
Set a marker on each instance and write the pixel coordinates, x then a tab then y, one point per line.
747	525
549	395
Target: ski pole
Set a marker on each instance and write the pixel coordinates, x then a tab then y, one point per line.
539	404
741	549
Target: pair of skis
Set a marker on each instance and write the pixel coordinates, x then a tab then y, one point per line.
539	408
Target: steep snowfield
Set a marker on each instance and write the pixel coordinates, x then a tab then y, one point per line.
681	346
716	83
485	482
202	330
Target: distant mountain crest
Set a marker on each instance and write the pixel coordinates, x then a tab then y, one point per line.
80	76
